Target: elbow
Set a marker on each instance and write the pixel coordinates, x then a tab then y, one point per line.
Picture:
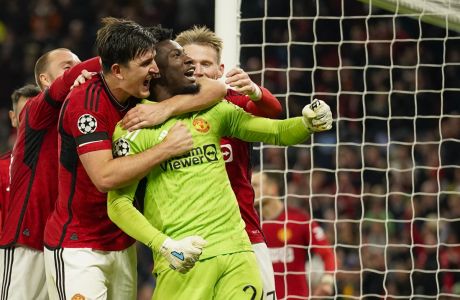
279	111
104	184
276	111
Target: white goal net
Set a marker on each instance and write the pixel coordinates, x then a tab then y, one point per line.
384	184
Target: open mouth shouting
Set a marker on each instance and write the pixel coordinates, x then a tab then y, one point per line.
146	82
190	73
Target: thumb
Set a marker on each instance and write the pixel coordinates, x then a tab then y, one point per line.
307	112
198	241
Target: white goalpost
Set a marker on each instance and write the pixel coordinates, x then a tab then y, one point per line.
384	183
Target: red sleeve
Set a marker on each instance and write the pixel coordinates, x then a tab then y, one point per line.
326	253
90	129
268	106
43	110
61	86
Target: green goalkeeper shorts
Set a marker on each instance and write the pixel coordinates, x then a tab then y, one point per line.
231	276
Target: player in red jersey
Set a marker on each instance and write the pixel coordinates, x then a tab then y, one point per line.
18	100
5	160
86	255
205	47
33	187
290	235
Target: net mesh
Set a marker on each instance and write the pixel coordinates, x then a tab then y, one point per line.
384	184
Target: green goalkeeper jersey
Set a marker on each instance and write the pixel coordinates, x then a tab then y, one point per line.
191	194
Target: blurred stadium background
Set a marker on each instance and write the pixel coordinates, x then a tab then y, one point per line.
384	183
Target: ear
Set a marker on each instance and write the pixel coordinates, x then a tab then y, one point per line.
116	71
44	80
14	120
220	72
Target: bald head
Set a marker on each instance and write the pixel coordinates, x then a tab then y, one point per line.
52	64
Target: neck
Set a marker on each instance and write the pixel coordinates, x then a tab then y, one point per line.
113	84
160	93
272	208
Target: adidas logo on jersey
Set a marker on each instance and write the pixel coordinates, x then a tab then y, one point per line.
196	156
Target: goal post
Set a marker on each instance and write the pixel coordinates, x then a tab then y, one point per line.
227	26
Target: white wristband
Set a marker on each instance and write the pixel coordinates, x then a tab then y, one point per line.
257	94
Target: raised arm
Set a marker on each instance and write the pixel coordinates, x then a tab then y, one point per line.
147	115
43	110
267	106
59	89
259	102
237	123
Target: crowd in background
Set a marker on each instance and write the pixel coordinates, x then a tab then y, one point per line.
30	28
384	183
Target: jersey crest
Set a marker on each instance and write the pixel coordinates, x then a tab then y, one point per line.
201	125
78	297
87	124
284	235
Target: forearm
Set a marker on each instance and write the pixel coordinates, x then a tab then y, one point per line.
122	212
268	106
119	172
276	132
211	92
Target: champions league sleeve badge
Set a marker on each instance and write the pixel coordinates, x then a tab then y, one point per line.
120	148
87	124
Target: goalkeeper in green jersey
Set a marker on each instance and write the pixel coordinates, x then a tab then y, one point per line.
191	219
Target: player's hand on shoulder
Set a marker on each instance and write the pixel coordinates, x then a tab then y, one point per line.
179	139
317	116
183	254
240	81
82	78
146	115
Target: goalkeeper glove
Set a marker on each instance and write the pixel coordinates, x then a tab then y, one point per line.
182	254
317	116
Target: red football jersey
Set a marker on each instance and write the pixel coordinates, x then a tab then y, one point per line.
80	220
33	188
4	184
289	238
237	156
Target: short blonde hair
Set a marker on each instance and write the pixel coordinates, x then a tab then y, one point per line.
201	35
